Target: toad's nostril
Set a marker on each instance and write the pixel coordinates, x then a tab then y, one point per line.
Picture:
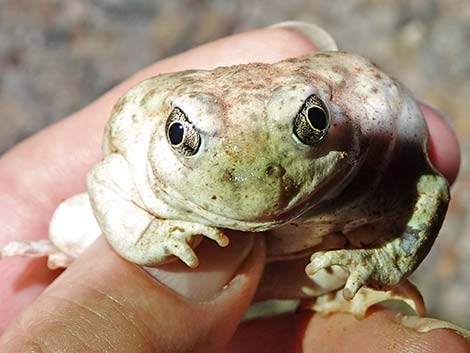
275	171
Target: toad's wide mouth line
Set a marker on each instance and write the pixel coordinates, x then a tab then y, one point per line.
260	224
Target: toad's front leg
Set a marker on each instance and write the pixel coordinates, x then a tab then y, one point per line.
134	233
391	261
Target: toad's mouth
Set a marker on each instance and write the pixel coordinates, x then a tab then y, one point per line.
255	196
286	210
253	207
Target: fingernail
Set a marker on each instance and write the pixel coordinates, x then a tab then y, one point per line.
436	111
443	148
217	267
321	39
426	324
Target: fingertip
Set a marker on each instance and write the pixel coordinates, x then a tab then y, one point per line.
444	150
378	330
310	332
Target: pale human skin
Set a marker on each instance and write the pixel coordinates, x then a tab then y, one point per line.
135	293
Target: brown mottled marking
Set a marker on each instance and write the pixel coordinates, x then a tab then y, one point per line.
340	70
228	175
152	92
120	105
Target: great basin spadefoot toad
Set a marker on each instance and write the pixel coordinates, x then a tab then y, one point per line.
324	153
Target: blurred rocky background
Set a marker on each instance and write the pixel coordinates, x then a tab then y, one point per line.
56	56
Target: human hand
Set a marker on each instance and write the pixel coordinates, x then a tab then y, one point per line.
103	303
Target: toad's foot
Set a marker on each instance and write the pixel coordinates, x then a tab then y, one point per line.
177	238
372	267
40	248
392	259
135	232
365	298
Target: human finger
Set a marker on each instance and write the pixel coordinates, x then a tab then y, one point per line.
307	332
103	303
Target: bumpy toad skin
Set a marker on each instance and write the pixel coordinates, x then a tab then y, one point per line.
364	199
252	173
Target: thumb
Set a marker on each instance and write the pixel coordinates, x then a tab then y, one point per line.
103	303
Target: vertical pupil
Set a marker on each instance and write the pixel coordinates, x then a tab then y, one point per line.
176	133
317	118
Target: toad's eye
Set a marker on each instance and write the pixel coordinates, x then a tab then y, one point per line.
312	122
181	134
